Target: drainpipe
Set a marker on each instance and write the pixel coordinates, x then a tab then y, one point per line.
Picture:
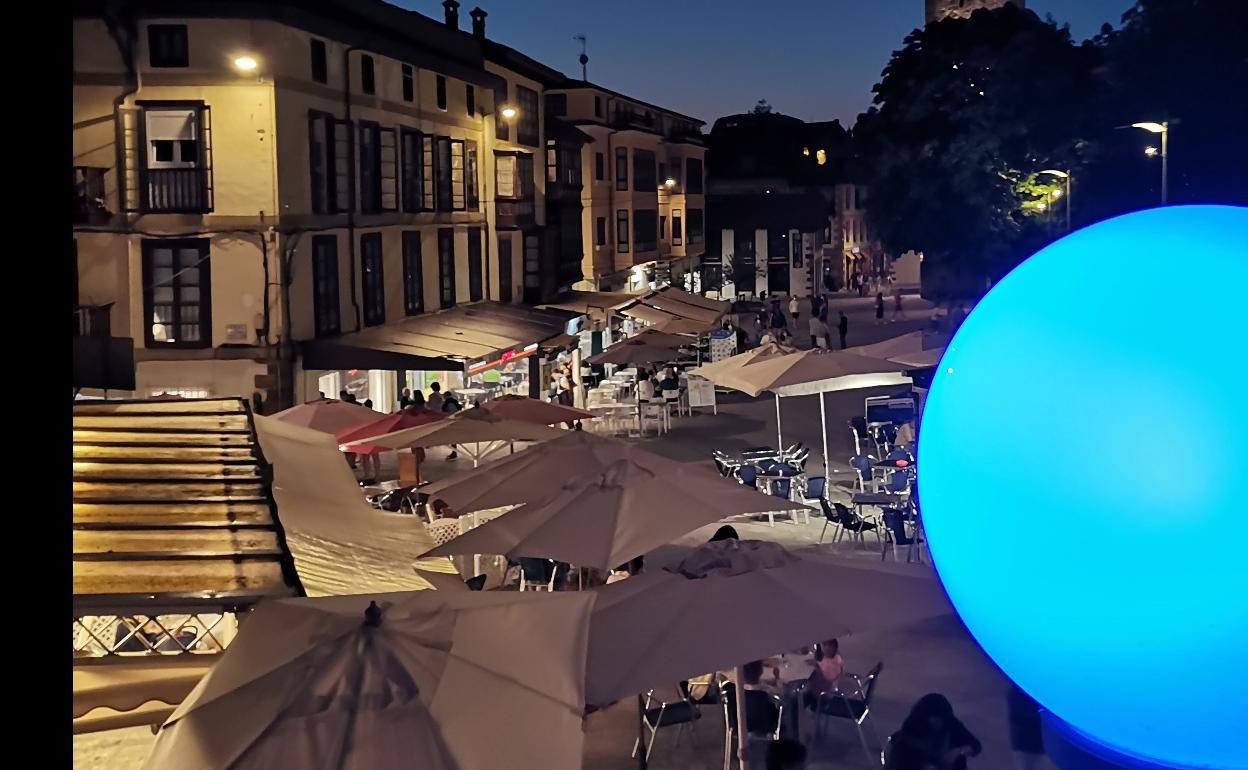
346	99
123	28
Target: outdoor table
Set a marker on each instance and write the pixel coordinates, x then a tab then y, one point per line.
895	464
878	499
787	674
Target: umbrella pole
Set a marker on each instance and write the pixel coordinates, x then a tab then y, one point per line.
743	731
642	764
823	419
779	434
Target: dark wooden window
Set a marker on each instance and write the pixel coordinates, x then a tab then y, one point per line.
326	298
600	231
343	166
175	164
446	267
621	168
693	229
411	170
177	293
597	106
413	274
600	166
409	83
677	231
643	171
320	61
504	269
167	45
475	266
441	92
373	281
470	100
370	167
645	230
368	75
673	171
472	192
320	142
693	177
449	173
527	123
502	126
621	231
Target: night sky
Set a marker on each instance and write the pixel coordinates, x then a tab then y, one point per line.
815	59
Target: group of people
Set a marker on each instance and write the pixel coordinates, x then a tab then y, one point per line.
774	323
899	313
653	385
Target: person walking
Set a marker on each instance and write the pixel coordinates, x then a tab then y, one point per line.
842	326
932	737
793	307
879	308
818	333
898	312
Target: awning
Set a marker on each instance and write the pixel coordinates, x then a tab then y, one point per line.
129	693
697	300
443	341
648	314
586	302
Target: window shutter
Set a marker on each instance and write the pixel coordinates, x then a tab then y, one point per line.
389	148
344	167
129	161
205	132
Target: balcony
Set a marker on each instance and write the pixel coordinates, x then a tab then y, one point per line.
90	207
176	191
514	213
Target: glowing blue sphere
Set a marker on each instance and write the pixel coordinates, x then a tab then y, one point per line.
1083	463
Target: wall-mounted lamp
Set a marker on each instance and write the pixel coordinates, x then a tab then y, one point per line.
245	64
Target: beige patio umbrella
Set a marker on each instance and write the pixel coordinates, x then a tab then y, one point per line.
475	427
634	351
532	410
445	681
733	601
916	349
606	518
684	326
663	339
536	473
327	415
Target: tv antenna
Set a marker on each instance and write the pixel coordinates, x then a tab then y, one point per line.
583	58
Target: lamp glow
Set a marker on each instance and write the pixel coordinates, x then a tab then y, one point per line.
1150	152
1061	521
1151	127
509	112
245	63
670	182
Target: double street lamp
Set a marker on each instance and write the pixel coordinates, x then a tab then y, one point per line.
1066	176
1162	128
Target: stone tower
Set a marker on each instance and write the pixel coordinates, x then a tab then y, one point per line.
938	9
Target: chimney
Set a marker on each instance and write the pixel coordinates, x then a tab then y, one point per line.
478	22
452	13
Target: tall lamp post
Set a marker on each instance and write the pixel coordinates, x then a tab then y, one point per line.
1162	128
1066	176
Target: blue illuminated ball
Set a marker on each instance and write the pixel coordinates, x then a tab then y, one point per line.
1083	465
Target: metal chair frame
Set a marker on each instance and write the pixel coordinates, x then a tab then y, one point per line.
683	700
730	732
864	693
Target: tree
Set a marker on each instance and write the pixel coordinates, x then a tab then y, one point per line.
762	108
964	116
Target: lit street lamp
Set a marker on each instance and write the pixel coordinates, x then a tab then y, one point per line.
1058	193
1162	128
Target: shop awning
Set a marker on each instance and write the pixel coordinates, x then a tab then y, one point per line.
697	300
443	341
586	302
130	692
648	314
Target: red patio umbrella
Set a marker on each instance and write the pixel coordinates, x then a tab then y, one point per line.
389	423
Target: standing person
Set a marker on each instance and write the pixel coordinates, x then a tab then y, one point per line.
842	326
897	311
435	399
879	308
450	405
793	307
417	400
818	333
932	738
405	398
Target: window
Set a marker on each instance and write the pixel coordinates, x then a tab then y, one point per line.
600	231
504	269
514	175
502	127
662	228
693	179
645	230
176	284
475	267
673	171
441	92
677	232
662	172
621	231
597	106
175	160
600	166
694	228
621	168
368	77
443	173
370	167
527	123
557	105
325	293
643	171
373	282
470	100
331	163
411	170
409	83
446	267
413	274
320	61
552	161
471	189
426	156
570	165
167	46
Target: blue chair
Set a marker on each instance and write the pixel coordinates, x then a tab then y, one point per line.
856	525
748	475
782	487
816	487
897	483
898	453
766	464
783	469
862	464
830	516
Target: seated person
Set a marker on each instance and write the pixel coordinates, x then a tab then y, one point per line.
645	389
670	381
753	675
442	510
932	738
828	669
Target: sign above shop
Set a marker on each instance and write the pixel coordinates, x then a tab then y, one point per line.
502	358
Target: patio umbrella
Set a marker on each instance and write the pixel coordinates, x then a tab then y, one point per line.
663	339
684	326
327	415
472	426
916	349
532	410
731	602
445	681
604	519
634	351
410	417
534	474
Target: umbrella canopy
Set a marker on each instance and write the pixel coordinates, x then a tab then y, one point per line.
531	410
400	420
472	426
416	680
327	415
803	372
604	519
727	372
917	349
685	326
735	601
634	351
534	474
663	339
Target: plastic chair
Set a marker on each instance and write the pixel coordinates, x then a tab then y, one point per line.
816	487
766	464
680	712
863	466
858	426
748	475
855	524
764	713
899	453
840	705
830	516
540	574
897	483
